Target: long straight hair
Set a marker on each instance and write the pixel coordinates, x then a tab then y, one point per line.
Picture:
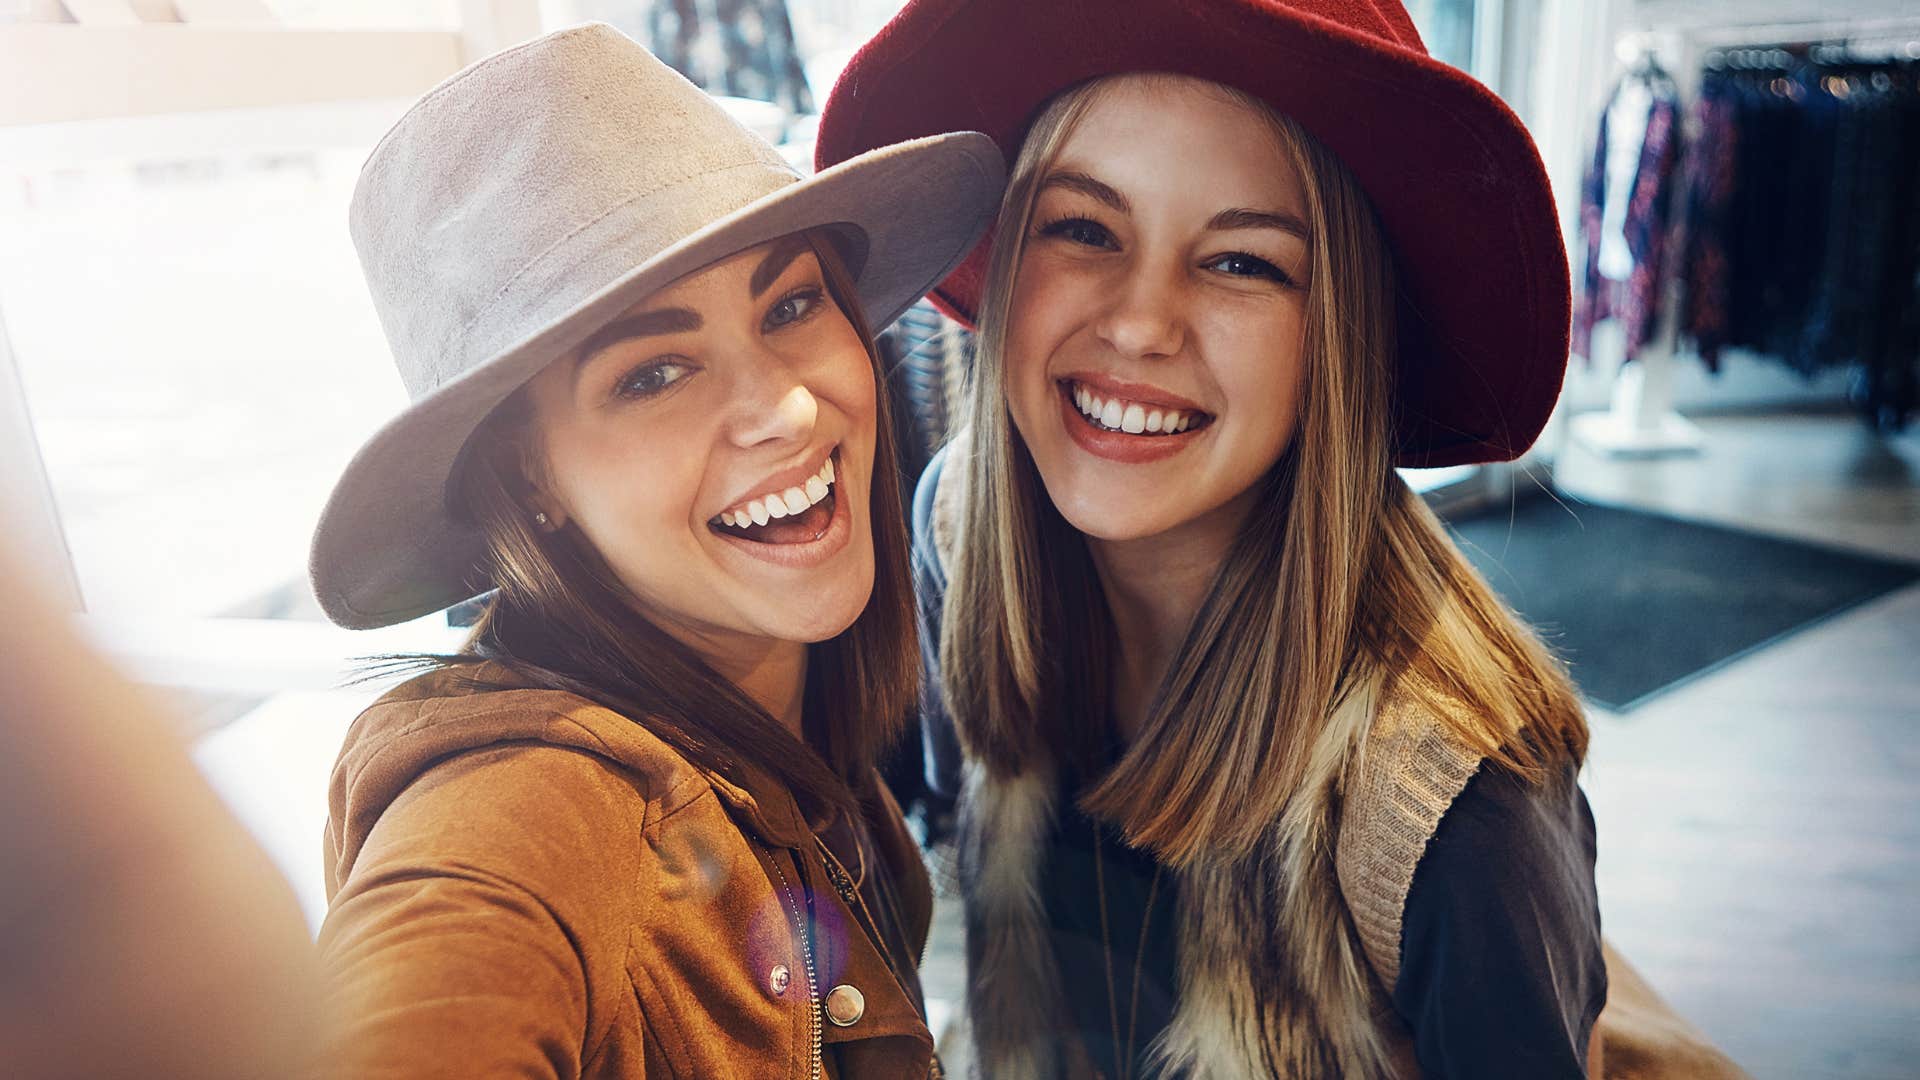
1345	586
560	619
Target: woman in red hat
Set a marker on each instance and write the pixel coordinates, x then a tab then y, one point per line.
1262	778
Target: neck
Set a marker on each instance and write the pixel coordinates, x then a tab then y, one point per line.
771	672
1154	587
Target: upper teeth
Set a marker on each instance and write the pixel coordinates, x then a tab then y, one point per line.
779	504
1129	416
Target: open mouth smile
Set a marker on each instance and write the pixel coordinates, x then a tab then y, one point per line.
1127	430
798	526
793	515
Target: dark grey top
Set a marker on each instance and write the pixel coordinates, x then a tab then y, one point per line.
1500	965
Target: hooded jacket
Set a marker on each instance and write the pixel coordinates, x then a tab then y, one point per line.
525	883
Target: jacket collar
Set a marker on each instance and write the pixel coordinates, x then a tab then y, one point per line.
763	804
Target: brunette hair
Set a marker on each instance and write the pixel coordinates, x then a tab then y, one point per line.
559	619
1336	591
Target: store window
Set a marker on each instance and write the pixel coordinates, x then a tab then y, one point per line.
1447	26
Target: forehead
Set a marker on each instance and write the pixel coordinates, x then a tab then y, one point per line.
1183	139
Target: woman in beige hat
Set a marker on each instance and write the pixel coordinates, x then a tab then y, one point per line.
633	829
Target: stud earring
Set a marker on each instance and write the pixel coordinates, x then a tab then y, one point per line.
540	518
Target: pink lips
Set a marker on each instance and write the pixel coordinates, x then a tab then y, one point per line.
808	554
1119	446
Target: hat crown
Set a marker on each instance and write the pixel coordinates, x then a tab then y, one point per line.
518	188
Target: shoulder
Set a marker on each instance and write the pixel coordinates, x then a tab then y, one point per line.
1418	796
1501	958
1405	771
511	775
422	726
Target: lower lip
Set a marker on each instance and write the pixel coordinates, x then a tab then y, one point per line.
1118	445
838	534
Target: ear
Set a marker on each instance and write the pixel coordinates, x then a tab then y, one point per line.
544	510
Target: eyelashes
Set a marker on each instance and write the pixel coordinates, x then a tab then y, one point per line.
1086	232
651	379
798	305
655	376
1080	230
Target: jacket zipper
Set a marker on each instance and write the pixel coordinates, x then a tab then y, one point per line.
806	954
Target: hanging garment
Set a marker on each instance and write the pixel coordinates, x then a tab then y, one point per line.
1624	210
1708	184
1803	223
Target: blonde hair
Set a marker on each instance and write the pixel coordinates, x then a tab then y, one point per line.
1347	585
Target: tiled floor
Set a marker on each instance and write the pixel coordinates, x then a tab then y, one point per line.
1759	826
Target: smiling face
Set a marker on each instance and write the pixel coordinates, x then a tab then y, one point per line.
1155	331
715	445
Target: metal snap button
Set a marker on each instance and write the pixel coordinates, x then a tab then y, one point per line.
779	979
845	1005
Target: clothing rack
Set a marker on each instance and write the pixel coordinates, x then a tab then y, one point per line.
1641	419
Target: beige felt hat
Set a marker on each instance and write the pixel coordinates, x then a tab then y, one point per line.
528	200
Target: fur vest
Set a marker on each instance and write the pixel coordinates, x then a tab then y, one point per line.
1286	955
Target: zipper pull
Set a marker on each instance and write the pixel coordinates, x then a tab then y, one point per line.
837	874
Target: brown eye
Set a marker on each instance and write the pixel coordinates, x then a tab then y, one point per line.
1241	264
792	308
1084	231
651	379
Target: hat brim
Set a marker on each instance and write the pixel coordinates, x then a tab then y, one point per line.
388	549
1484	299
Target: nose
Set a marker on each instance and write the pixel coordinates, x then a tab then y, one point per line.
772	405
1144	319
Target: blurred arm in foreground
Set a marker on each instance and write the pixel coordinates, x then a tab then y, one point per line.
144	932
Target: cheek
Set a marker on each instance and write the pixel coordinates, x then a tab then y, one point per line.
843	375
1045	306
1259	367
621	491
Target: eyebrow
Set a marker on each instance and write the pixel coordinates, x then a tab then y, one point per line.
1243	218
678	320
673	320
775	262
1235	218
1088	186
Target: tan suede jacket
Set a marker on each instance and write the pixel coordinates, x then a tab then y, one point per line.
526	884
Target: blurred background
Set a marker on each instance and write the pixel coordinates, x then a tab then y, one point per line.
1720	530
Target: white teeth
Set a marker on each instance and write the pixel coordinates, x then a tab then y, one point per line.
1132	418
781	504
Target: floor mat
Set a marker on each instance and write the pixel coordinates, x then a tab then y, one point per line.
1638	602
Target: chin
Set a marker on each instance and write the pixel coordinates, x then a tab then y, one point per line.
815	615
1104	521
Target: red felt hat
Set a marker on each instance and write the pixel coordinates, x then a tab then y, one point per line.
1452	173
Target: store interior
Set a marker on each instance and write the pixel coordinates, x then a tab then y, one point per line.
1719	530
